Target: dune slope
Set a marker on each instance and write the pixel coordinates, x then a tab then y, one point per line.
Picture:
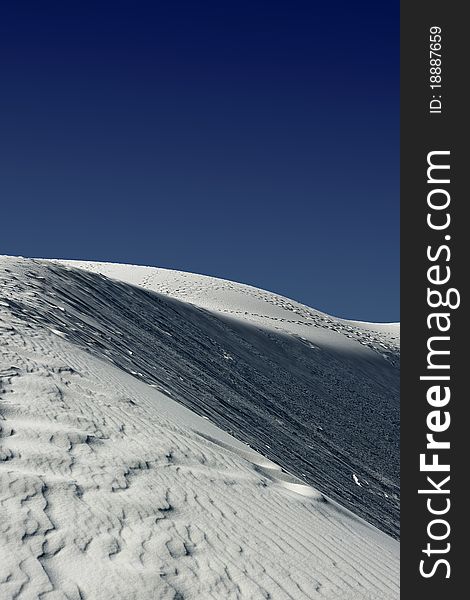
317	394
111	489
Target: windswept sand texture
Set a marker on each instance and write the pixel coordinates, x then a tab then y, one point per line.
111	489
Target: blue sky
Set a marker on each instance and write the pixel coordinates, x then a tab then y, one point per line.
256	141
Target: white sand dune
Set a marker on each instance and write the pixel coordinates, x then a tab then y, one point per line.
110	489
247	303
337	384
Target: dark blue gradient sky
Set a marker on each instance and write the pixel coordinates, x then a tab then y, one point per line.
256	141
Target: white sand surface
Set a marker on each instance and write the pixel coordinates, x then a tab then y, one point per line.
111	489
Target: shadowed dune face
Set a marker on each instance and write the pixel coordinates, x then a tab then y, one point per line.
327	413
248	304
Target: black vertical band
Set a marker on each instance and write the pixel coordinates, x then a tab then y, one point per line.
435	260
